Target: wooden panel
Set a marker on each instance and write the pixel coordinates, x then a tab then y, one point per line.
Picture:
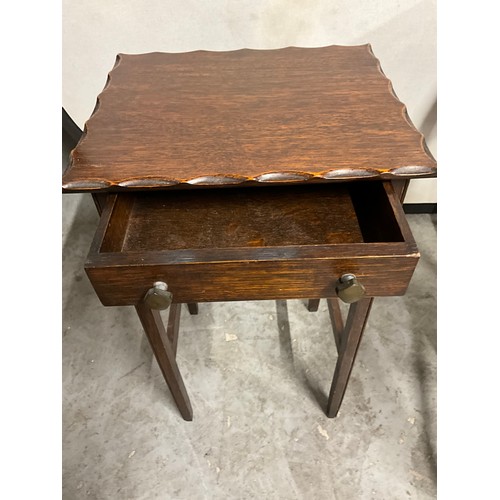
300	215
376	205
247	116
217	221
240	245
118	225
267	280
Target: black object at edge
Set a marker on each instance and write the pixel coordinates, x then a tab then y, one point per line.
420	208
71	131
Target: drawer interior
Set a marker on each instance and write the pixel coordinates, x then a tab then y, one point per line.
284	216
252	243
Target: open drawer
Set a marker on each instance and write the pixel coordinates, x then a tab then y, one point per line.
252	243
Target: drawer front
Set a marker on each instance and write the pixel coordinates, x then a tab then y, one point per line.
311	278
252	245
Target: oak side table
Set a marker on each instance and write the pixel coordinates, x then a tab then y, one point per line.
247	175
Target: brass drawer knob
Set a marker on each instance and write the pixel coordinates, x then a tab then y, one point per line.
158	297
349	289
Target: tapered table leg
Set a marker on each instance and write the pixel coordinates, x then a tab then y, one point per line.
193	308
312	305
337	321
174	318
165	355
351	337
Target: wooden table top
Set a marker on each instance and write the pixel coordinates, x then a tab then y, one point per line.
201	118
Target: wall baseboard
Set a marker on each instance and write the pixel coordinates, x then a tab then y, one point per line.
420	208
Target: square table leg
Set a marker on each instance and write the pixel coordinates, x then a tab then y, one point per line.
174	318
164	351
349	343
193	308
336	320
312	305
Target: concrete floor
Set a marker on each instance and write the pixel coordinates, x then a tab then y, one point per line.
258	374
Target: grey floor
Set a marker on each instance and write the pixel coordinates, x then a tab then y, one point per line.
258	374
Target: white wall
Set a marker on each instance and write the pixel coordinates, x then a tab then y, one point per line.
402	34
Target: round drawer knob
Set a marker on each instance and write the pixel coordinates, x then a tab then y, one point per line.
158	297
349	289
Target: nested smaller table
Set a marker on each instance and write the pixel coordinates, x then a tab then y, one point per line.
249	175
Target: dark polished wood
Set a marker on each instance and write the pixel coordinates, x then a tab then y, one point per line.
174	318
351	337
259	243
193	308
312	305
298	250
277	129
99	201
400	188
167	120
236	218
165	356
336	320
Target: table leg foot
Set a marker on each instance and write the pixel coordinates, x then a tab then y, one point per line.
312	305
193	308
164	353
349	343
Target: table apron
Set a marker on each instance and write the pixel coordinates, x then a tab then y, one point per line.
253	280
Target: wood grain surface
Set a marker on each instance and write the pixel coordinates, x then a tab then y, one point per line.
239	217
306	115
278	258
